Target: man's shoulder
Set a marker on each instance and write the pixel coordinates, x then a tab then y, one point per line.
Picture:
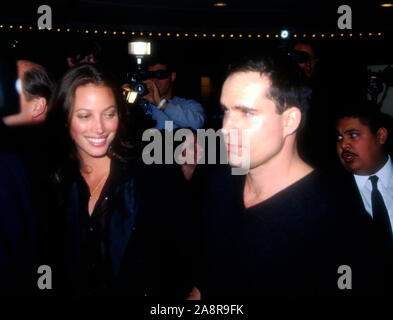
188	101
10	165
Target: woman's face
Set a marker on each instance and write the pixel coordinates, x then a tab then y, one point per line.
94	120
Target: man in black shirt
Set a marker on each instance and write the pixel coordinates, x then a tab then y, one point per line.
282	230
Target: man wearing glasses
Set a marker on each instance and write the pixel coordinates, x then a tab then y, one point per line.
164	105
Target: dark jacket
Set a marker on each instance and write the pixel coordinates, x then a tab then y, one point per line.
17	230
149	233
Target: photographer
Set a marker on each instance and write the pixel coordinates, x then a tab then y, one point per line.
164	106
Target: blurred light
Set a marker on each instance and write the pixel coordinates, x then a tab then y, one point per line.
386	5
139	48
284	34
220	4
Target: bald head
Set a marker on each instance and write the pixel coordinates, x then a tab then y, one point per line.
36	88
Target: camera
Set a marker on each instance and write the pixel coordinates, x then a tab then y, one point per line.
136	80
378	81
135	90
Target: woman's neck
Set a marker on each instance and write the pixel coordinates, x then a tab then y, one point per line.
94	166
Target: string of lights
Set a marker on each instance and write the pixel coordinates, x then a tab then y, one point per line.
204	35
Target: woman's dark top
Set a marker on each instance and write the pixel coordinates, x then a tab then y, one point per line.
137	241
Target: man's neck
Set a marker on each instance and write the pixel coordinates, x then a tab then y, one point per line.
266	180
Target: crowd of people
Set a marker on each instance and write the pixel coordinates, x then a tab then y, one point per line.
76	195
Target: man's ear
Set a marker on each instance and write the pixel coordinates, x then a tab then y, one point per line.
39	109
173	76
292	118
382	135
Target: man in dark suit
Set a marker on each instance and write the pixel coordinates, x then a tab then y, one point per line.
17	230
23	189
362	139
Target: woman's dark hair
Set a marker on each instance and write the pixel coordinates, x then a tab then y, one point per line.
59	114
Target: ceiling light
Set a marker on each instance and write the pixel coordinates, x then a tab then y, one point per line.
220	4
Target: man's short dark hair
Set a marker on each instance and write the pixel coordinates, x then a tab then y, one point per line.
367	112
37	82
79	49
164	60
287	89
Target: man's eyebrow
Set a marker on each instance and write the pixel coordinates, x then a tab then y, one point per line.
351	130
244	108
238	107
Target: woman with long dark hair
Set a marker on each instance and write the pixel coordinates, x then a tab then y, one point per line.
122	218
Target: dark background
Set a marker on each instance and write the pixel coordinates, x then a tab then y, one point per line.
343	59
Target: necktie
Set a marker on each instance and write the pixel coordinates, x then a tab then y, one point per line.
380	214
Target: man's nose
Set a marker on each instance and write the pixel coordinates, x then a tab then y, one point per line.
345	144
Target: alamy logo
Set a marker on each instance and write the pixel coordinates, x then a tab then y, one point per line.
44	281
234	147
345	280
44	21
345	20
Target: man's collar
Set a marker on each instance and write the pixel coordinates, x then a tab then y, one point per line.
385	175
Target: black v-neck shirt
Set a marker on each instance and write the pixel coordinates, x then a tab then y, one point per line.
288	246
96	271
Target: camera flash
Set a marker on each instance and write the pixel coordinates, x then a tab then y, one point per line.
139	48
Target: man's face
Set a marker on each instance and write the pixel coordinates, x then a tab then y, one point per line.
308	66
359	149
164	85
247	109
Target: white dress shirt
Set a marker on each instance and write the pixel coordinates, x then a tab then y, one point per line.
385	187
